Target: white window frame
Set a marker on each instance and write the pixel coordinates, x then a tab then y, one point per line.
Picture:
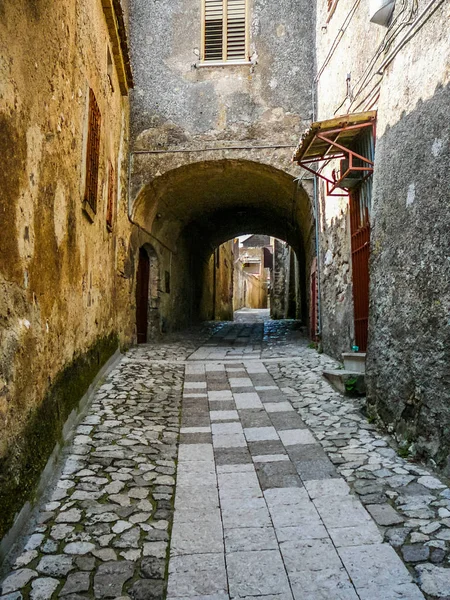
225	61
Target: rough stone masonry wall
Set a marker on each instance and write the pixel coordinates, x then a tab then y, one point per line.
348	22
63	309
217	293
409	332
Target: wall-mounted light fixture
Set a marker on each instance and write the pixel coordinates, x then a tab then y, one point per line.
381	11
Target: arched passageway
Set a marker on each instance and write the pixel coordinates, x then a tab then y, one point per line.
190	211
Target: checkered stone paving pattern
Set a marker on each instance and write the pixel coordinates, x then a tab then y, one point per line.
218	464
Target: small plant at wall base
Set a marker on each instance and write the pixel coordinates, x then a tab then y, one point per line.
350	385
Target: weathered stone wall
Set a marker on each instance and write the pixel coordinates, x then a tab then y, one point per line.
283	281
217	293
196	121
407	361
409	331
249	290
65	282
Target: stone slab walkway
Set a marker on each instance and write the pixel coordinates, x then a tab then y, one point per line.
260	510
219	464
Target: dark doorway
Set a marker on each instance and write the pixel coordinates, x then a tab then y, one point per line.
142	288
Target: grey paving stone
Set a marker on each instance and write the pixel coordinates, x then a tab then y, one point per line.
277	407
256	434
266	447
327	487
254	418
250	539
197	575
197	536
191	498
195	452
231	440
217	405
220	395
372	565
305	530
277	475
257	573
366	533
323	584
286	420
195	438
291	437
348	512
247	400
405	591
16	580
43	588
224	415
247	512
147	589
111	577
268	458
226	428
76	583
55	565
232	456
286	496
384	514
240	382
321	468
413	553
309	555
434	580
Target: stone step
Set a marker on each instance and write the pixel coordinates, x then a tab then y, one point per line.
354	361
349	383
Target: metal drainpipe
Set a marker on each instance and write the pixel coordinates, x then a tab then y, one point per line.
316	218
319	301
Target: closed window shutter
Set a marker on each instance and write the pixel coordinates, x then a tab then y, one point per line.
236	30
225	30
214	30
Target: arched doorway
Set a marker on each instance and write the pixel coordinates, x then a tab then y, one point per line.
142	289
147	295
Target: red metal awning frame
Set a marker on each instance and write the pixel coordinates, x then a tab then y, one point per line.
335	150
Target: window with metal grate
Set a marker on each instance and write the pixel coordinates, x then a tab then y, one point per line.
225	37
92	153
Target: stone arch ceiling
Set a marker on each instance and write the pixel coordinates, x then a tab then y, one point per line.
214	201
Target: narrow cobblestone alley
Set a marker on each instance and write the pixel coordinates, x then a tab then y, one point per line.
220	464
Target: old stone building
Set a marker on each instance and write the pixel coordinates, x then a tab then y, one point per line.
113	208
398	212
66	273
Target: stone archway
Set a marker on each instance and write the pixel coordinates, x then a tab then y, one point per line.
192	209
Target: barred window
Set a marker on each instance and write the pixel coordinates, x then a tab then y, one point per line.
111	198
225	31
92	153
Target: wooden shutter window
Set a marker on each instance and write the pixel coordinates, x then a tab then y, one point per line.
236	30
93	153
111	198
225	30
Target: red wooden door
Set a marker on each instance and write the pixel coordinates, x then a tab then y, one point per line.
360	236
142	286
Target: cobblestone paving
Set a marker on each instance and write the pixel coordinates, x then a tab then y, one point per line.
283	489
